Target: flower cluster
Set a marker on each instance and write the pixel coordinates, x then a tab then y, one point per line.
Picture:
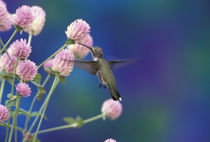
79	31
15	65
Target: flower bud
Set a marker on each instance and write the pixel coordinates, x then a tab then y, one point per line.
112	109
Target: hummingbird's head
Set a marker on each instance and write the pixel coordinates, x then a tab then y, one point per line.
97	52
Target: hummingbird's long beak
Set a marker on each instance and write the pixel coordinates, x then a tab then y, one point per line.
90	48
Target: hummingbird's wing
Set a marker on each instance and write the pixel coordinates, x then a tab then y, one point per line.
90	66
116	64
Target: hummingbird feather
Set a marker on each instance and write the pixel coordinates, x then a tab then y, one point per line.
89	66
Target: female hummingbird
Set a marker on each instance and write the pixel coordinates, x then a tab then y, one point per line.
103	69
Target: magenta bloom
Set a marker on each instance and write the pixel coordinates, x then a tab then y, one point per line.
23	17
23	89
6	24
110	140
4	114
38	22
6	64
3	11
112	109
27	70
20	49
48	64
77	30
63	62
5	18
81	51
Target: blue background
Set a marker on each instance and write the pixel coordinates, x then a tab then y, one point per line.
165	94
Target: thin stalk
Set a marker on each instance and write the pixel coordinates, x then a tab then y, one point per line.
7	131
7	53
72	125
33	102
14	117
45	106
10	126
10	39
13	80
29	38
2	89
52	55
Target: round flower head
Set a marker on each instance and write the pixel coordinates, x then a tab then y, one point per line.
4	114
63	62
27	70
3	11
112	109
48	64
81	51
77	30
6	23
23	17
6	64
38	22
23	89
110	140
20	49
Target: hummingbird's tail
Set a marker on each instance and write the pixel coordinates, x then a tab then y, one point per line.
115	94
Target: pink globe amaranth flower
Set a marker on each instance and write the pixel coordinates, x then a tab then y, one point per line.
110	140
5	18
27	70
63	62
6	64
112	109
20	49
48	64
4	114
23	89
38	22
6	24
23	17
3	11
79	50
77	30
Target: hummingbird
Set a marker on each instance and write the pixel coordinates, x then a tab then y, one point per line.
103	69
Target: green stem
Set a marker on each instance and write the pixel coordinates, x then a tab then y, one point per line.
7	131
15	117
10	39
2	89
7	53
13	80
29	38
45	106
5	125
46	79
52	55
72	125
33	102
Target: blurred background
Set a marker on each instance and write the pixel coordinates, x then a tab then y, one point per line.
165	94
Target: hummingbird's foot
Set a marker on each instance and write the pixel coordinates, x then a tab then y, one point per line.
100	85
105	87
